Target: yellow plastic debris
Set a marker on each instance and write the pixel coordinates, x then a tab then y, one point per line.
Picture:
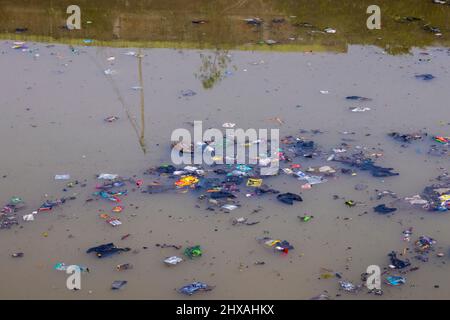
254	182
272	243
186	181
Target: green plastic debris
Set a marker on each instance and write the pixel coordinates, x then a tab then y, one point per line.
305	218
192	252
350	203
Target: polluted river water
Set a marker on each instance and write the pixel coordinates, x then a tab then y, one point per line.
56	94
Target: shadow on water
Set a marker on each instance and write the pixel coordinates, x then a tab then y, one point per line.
140	132
220	24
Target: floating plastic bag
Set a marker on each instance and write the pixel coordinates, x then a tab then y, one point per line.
107	176
192	288
192	252
173	260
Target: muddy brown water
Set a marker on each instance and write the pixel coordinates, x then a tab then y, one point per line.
53	106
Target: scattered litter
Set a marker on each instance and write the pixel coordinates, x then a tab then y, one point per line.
424	243
289	198
396	262
306	186
19	45
350	203
349	287
114	221
173	260
28	217
125	236
406	137
407	19
17	255
277	245
117	209
270	42
182	148
188	93
443	140
432	29
254	182
384	193
382	209
395	280
365	164
107	176
111	119
118	284
124	266
229	207
165	245
417	199
253	21
407	235
186	181
305	218
106	250
192	288
199	21
221	186
192	252
426	76
441	2
62	176
61	266
109	72
358	98
360	109
243	220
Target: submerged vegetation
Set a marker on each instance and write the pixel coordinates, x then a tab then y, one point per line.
213	67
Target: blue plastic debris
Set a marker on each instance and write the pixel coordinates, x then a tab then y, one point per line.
396	262
188	93
106	250
357	98
118	284
395	280
425	76
193	287
382	209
